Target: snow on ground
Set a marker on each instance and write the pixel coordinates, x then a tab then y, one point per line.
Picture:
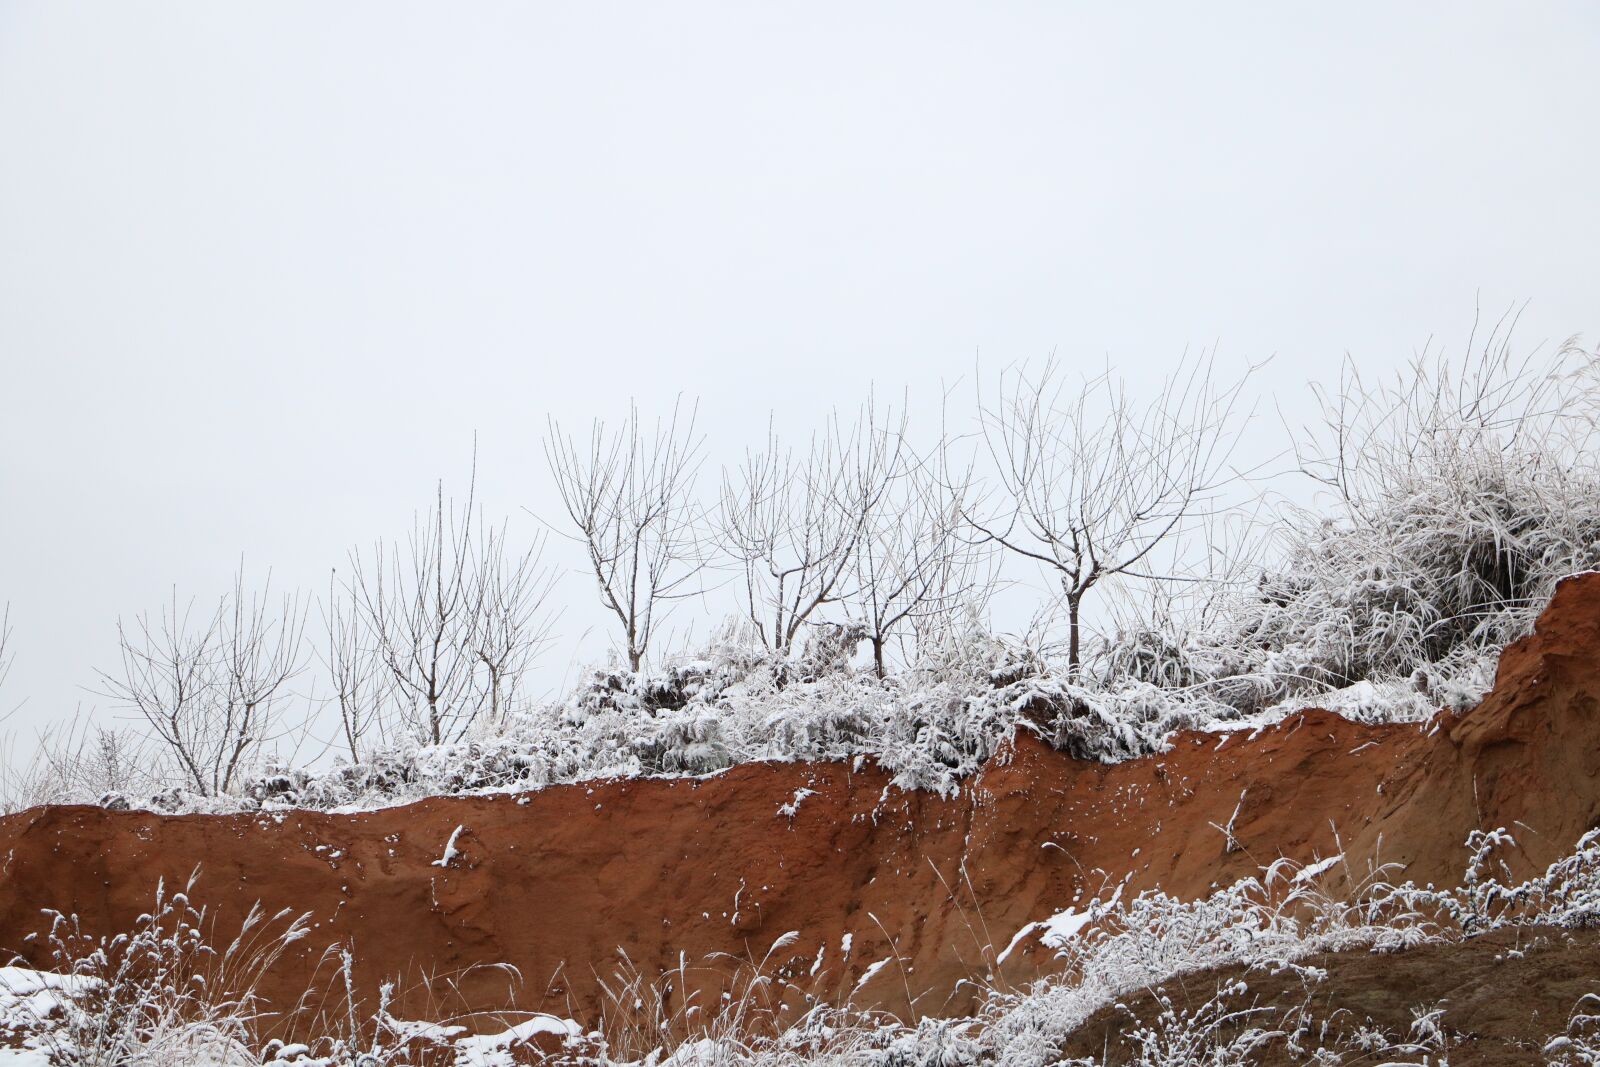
27	994
1060	928
493	1050
23	1057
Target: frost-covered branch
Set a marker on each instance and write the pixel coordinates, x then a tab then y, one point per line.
791	526
629	495
209	685
448	624
1089	480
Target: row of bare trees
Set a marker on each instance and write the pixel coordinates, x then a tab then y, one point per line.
429	636
854	519
1084	480
426	637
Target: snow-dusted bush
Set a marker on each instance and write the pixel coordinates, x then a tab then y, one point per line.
1461	494
931	726
1451	558
694	717
1465	490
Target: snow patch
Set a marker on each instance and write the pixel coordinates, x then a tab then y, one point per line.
450	850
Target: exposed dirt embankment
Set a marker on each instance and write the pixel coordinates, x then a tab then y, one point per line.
556	881
1501	997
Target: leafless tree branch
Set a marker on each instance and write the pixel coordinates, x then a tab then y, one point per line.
1090	480
629	494
209	685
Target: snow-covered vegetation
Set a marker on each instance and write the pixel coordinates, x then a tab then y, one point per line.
162	994
156	995
1452	499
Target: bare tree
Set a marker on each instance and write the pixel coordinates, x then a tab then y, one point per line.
512	627
451	623
419	613
358	676
259	652
792	527
913	558
209	685
630	496
1091	481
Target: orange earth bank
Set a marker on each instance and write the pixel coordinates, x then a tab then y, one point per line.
556	881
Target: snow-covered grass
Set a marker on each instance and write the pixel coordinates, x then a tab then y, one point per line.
1580	1045
158	995
1268	923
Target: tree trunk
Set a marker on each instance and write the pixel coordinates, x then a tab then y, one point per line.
1074	602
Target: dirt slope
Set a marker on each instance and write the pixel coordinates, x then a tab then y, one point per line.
556	881
1502	996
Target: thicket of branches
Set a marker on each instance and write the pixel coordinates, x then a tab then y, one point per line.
861	565
430	638
1458	494
629	498
210	685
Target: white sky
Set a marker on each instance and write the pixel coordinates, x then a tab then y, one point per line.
265	269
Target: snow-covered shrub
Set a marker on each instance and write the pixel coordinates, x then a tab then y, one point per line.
931	726
1566	893
730	704
1215	1034
1455	553
1461	494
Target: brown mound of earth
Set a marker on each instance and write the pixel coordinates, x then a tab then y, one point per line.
556	881
1502	996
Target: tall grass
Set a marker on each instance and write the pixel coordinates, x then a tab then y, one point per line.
159	994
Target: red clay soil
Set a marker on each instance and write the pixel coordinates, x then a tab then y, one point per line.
557	881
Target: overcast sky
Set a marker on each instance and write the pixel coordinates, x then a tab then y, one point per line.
265	269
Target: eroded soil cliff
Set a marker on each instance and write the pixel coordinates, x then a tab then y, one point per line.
557	881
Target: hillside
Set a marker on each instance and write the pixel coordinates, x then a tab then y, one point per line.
557	881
